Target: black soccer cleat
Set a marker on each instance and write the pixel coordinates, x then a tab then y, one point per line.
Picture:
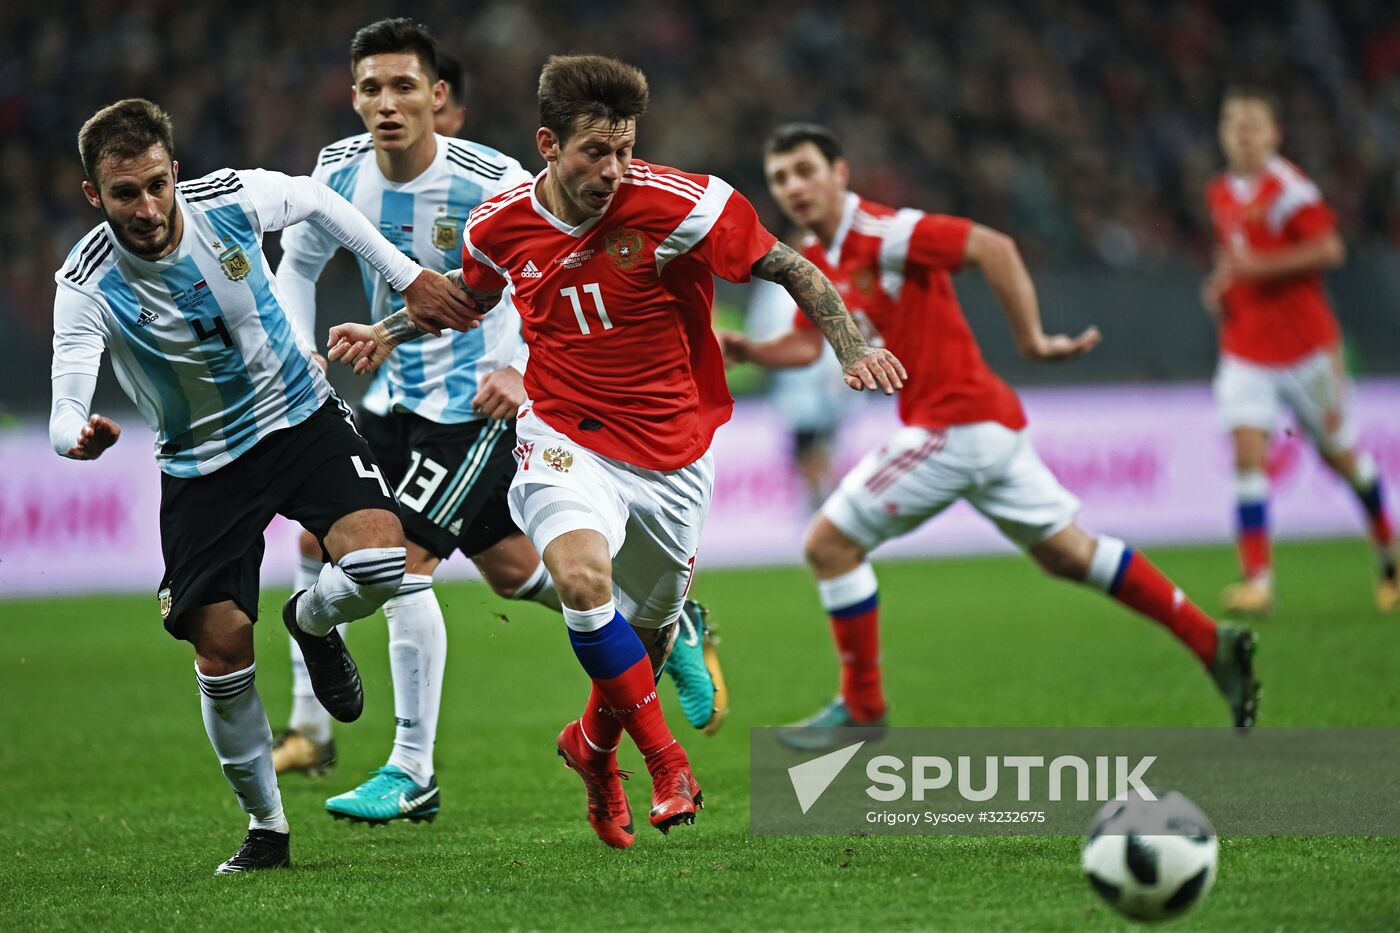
262	848
1233	672
334	677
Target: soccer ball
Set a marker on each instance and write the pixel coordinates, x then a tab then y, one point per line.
1151	859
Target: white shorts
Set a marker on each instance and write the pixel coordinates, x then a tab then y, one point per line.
919	473
1315	389
651	519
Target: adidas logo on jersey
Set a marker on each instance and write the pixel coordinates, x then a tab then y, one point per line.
147	316
455	528
530	272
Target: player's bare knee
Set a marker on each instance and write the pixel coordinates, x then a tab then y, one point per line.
1067	554
828	551
367	528
583	585
309	545
222	636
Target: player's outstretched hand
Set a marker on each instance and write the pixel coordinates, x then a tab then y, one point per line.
878	369
734	345
501	394
359	346
96	436
1058	347
434	303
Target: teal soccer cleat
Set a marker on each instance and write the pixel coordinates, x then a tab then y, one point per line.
694	666
830	726
389	794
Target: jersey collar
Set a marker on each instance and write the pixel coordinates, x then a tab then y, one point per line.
170	259
555	222
439	158
848	216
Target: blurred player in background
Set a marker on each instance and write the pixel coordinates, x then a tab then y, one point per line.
812	400
611	262
964	434
452	114
176	285
1280	346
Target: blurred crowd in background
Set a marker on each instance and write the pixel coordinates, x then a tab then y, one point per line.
1087	130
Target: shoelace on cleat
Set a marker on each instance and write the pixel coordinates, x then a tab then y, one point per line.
599	791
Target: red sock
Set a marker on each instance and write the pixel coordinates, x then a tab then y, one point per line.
1145	588
631	698
1255	556
858	645
600	726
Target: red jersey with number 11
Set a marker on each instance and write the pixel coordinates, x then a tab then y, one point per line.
616	311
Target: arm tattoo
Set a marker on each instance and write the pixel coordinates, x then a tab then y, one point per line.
817	298
399	328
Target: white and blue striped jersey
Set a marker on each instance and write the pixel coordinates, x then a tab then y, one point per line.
435	378
200	339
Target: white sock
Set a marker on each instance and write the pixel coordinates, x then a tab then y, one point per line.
351	589
308	717
238	730
540	589
417	658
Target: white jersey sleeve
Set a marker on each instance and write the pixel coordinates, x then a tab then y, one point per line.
306	248
283	200
79	339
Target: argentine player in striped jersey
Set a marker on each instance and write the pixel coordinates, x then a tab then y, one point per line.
175	284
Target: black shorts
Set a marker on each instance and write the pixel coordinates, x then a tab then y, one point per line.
211	527
451	480
806	441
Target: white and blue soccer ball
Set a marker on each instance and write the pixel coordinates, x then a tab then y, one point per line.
1151	859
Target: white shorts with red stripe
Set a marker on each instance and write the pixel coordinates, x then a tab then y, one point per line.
920	472
1315	389
651	519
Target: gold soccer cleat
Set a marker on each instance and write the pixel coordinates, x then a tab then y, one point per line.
1248	597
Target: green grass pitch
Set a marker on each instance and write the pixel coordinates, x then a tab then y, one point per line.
114	811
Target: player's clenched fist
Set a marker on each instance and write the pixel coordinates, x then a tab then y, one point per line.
878	369
96	436
435	303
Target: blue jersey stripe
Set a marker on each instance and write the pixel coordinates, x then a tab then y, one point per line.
174	413
396	223
234	227
467	347
228	370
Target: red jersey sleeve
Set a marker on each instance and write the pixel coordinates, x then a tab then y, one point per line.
939	241
479	272
736	240
1309	221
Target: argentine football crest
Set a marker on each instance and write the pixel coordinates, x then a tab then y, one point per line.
625	247
447	232
559	458
235	263
164	598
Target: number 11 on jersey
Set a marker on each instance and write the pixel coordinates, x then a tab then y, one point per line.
592	289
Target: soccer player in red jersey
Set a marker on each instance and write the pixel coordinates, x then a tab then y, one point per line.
964	434
610	261
1280	346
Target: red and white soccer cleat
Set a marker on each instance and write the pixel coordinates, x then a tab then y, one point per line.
675	794
609	813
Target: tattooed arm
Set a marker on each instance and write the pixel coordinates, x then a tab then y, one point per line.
865	367
366	347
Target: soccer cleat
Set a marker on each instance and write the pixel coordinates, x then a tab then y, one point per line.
1248	597
262	848
675	794
609	813
694	666
389	794
1388	589
295	752
334	677
830	726
1233	672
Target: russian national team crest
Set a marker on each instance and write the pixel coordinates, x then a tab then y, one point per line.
447	232
559	458
625	246
235	263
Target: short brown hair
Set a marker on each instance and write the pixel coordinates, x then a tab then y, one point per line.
588	88
124	129
1254	92
397	35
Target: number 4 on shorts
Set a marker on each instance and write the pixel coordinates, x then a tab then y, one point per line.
371	472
